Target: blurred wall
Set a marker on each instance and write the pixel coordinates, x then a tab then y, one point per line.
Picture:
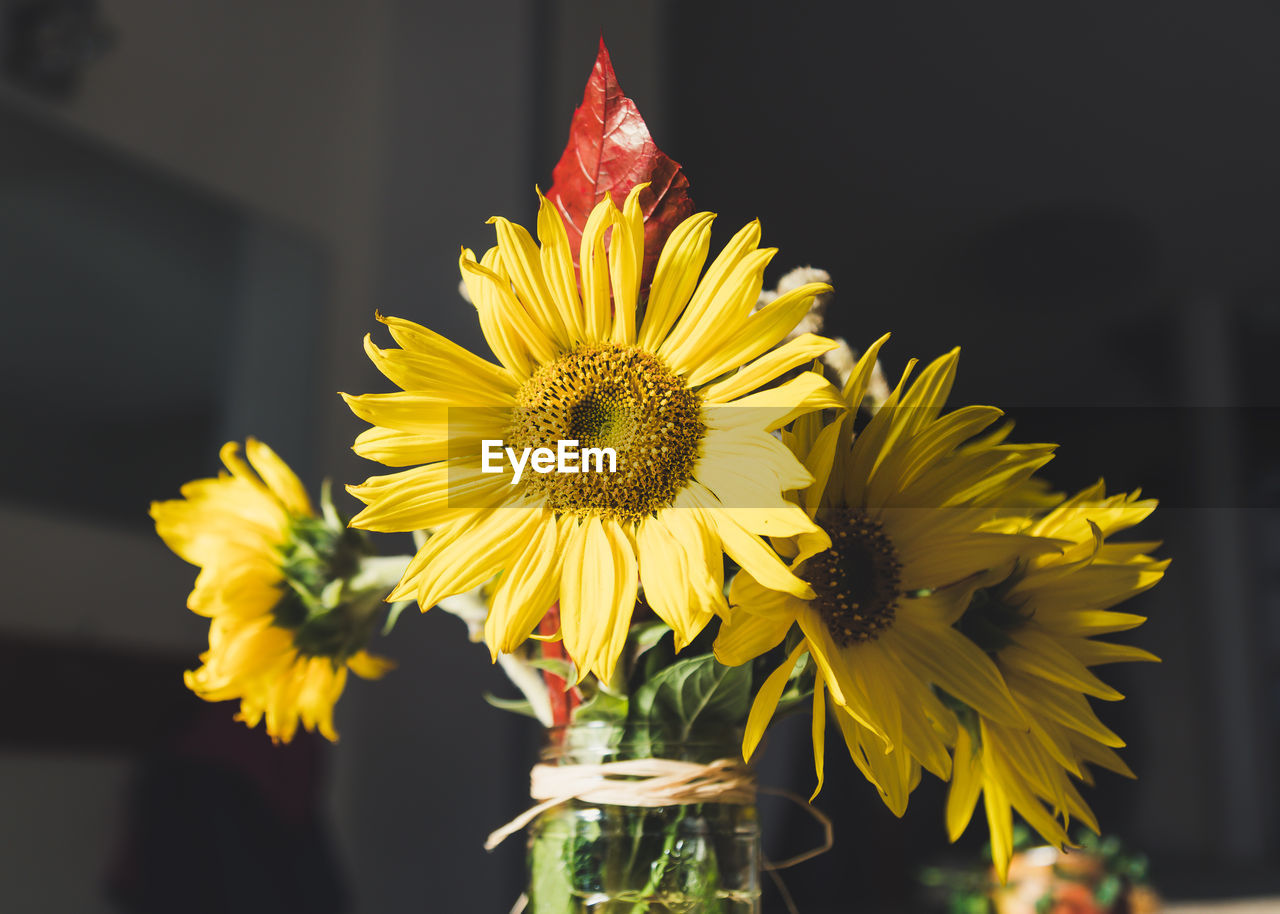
267	110
281	109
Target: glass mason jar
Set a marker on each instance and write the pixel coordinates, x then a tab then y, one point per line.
587	858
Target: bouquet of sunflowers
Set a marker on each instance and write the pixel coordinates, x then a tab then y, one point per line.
674	512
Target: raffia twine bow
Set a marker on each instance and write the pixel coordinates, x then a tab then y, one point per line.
653	782
647	782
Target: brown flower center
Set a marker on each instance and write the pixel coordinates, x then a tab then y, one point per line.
605	395
857	580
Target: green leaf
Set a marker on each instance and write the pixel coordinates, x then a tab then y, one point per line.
692	699
646	635
556	665
962	903
393	615
657	657
514	705
602	705
1108	890
550	876
327	509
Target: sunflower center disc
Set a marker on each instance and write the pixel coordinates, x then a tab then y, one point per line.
856	580
604	395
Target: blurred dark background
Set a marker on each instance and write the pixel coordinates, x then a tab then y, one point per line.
202	204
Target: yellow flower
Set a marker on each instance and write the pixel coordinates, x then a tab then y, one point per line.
906	507
282	635
1039	626
670	389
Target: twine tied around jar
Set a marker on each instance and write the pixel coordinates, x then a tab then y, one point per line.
653	782
647	782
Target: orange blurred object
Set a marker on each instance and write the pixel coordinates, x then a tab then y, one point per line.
1070	880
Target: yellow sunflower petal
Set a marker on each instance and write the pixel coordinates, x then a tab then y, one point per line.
937	442
869	447
523	261
1093	653
696	534
957	665
596	604
1096	587
675	278
767	367
229	454
249	586
280	479
966	785
1000	826
891	772
819	734
1093	752
320	687
744	547
626	257
508	328
758	333
529	585
282	706
432	373
1037	654
664	571
708	297
256	646
976	479
468	554
726	313
204	532
766	702
930	563
394	448
835	666
819	462
438	359
855	389
426	497
880	679
773	408
423	414
924	400
1066	706
597	322
754	508
558	269
745	635
369	666
772	461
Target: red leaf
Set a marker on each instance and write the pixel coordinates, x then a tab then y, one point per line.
563	700
610	151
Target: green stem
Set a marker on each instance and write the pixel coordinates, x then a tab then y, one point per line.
658	865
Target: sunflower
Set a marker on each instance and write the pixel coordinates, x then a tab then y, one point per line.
289	615
906	505
1039	625
668	387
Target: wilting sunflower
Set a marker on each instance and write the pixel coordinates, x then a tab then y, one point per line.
1039	625
906	506
282	587
670	390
